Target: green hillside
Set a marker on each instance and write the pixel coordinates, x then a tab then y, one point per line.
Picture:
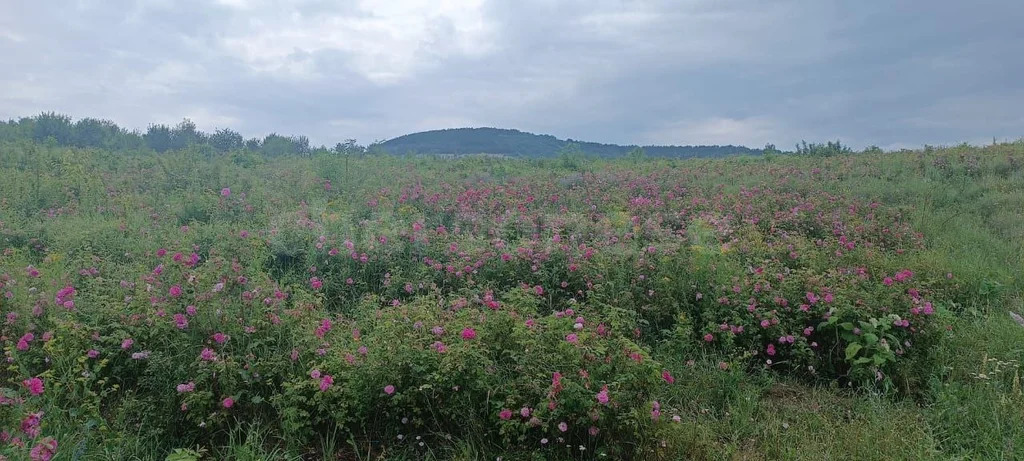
520	143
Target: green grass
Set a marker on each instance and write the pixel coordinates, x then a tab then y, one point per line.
972	406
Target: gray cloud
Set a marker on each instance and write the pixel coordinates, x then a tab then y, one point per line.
628	71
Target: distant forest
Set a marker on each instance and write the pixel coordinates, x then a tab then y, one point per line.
522	144
104	134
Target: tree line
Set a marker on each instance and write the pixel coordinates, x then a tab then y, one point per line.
520	143
104	134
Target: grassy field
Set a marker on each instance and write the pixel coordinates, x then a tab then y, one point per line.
187	306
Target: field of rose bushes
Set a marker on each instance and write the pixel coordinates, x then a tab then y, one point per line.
184	306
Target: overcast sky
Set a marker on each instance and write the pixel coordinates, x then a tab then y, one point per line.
888	73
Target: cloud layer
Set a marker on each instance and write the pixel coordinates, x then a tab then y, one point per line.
748	72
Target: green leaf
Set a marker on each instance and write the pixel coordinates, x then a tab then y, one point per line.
180	454
870	338
852	350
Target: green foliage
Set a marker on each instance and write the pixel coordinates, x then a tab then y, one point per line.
758	288
184	454
276	145
571	157
225	140
822	150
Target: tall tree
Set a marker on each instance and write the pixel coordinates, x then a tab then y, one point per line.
225	140
186	134
53	125
158	138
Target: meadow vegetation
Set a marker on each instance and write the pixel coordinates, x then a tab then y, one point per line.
200	304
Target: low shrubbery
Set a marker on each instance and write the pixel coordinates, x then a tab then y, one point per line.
526	314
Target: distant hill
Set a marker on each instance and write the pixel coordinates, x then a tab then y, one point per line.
520	143
104	134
